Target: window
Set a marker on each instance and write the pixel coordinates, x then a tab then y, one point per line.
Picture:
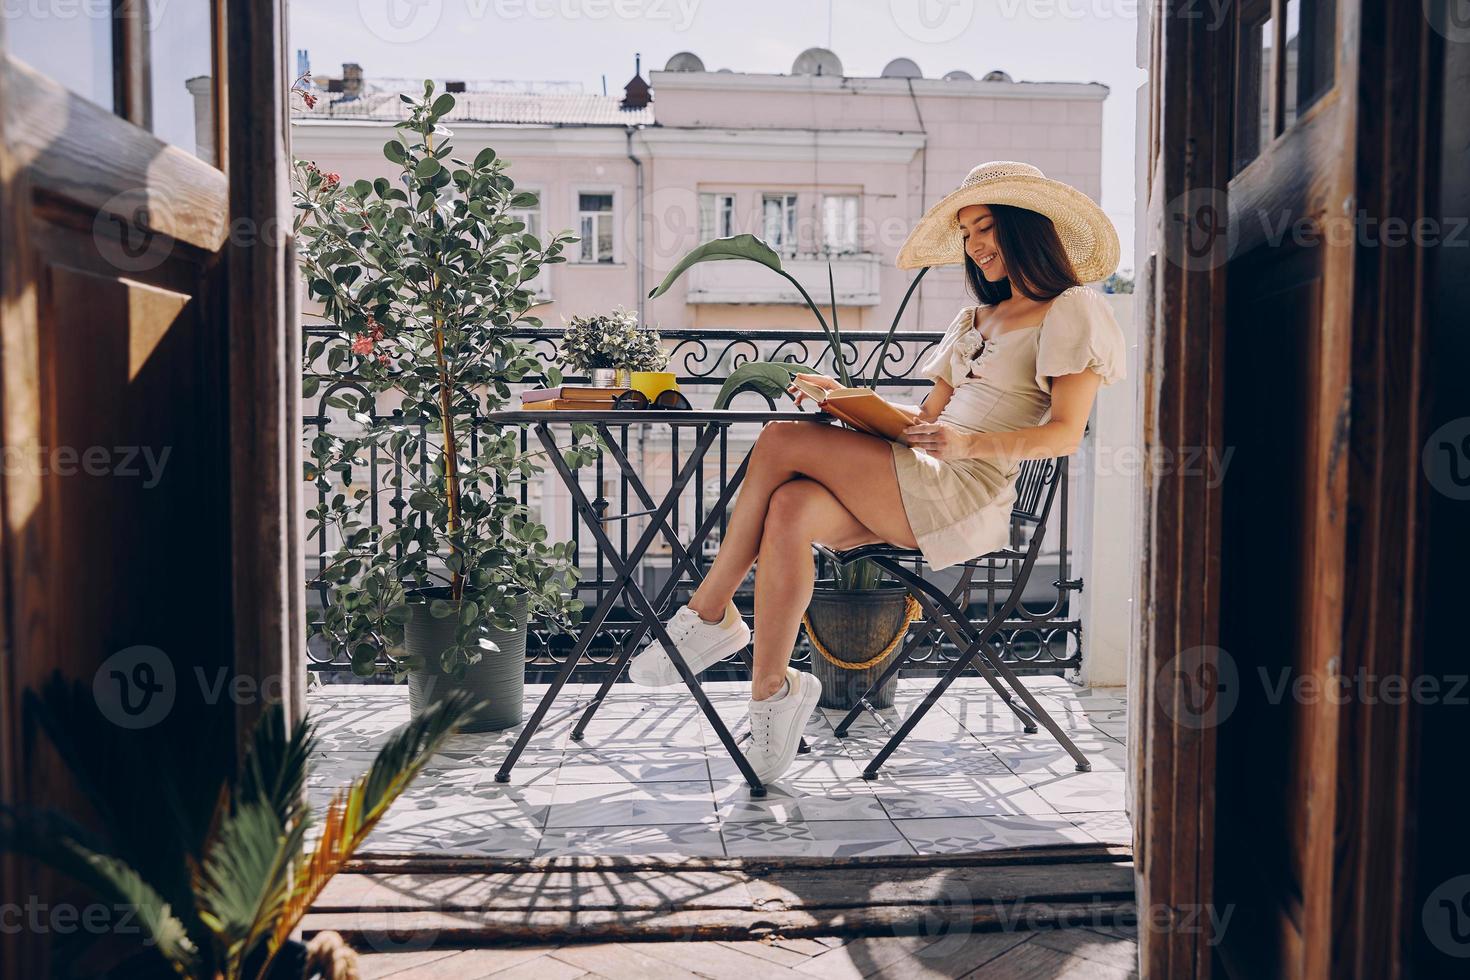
182	91
1309	49
839	223
778	218
595	221
1280	68
1253	84
531	218
716	216
74	51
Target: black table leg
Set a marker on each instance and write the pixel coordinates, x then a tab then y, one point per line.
683	559
604	608
649	615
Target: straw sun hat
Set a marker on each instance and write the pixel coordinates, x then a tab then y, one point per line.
1086	233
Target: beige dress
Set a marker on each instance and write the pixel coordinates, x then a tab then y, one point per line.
961	509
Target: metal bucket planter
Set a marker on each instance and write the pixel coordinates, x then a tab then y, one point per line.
852	627
499	679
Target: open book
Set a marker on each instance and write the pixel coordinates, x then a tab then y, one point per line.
860	408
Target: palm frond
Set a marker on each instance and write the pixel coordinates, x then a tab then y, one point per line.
61	844
354	813
275	765
245	876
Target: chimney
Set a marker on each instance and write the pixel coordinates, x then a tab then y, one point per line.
637	94
201	89
351	80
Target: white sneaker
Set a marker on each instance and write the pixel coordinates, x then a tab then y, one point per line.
776	725
702	644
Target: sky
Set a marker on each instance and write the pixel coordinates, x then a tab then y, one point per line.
585	40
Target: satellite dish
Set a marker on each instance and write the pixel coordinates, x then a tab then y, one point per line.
997	76
684	61
902	68
817	61
959	76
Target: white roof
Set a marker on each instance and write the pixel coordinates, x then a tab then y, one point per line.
525	108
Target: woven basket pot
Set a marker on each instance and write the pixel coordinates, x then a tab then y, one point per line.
498	679
855	625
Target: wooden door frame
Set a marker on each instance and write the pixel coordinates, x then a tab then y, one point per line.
264	350
1181	333
1359	917
265	357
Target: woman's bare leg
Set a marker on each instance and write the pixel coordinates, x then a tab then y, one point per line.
801	512
856	468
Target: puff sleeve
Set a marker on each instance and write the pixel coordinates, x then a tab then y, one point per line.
938	365
1080	333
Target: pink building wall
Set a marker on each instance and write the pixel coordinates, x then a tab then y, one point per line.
900	144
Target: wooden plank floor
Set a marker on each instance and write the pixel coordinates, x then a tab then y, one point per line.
390	905
1102	953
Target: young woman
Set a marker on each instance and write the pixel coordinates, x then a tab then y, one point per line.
1014	379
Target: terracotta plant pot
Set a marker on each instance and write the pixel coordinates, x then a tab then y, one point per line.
854	626
498	679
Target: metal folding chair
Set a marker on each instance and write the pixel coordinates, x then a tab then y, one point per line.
1036	491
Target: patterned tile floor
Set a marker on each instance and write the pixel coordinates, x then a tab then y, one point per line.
651	779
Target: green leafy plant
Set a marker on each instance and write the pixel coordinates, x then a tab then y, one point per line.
224	901
612	340
425	279
771	378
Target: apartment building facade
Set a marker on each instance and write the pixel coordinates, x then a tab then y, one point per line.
826	168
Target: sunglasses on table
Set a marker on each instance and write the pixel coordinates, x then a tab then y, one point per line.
638	401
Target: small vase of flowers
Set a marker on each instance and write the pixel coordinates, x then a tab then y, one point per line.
608	347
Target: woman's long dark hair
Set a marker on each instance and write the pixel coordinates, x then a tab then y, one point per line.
1036	263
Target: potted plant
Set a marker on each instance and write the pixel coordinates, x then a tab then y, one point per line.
425	279
609	347
211	874
855	621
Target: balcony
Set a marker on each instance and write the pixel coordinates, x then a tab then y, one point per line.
855	277
1043	635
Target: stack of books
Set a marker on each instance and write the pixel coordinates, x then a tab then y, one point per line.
583	397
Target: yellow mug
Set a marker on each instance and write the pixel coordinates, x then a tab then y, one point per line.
654	383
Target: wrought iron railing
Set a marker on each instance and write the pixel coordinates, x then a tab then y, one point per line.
1042	633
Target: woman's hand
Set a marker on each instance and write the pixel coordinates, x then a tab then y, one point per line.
820	380
939	439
